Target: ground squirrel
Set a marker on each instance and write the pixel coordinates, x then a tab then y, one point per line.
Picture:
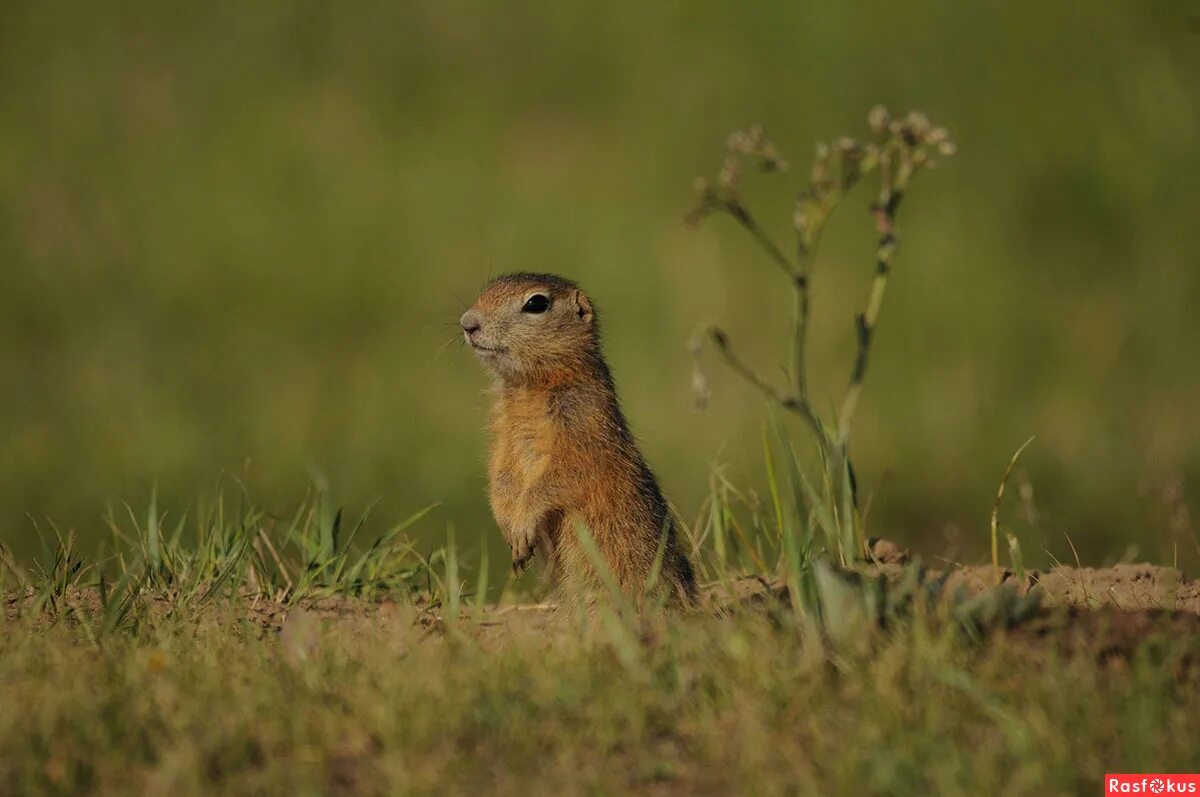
561	451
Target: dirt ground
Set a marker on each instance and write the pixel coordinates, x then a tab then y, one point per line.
1108	611
1124	587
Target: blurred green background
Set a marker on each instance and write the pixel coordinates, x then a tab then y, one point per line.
237	236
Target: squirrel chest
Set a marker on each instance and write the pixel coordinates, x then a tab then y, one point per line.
524	441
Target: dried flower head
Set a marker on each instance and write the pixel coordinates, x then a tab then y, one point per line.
746	142
878	120
729	179
706	202
800	217
918	124
753	142
852	154
820	167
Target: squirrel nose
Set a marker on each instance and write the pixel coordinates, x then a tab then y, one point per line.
470	322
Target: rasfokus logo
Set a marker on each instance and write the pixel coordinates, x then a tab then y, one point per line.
1151	784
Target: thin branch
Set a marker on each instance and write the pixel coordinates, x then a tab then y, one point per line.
806	252
794	404
746	372
739	212
891	192
800	313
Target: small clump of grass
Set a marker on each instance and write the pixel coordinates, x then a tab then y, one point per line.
228	548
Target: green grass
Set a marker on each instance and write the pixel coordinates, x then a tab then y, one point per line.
198	663
194	705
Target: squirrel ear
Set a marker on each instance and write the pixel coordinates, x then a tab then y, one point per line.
583	307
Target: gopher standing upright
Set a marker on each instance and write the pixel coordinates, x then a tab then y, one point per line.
562	453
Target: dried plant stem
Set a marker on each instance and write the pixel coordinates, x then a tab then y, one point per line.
738	366
742	215
792	404
800	315
801	304
891	192
806	249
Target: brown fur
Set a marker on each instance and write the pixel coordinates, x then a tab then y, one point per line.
562	453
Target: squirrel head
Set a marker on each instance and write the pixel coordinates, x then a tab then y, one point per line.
532	328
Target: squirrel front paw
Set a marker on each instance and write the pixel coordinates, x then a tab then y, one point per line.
523	545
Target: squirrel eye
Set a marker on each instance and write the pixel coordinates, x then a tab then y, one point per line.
538	303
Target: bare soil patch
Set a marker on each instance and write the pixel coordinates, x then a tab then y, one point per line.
1107	612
